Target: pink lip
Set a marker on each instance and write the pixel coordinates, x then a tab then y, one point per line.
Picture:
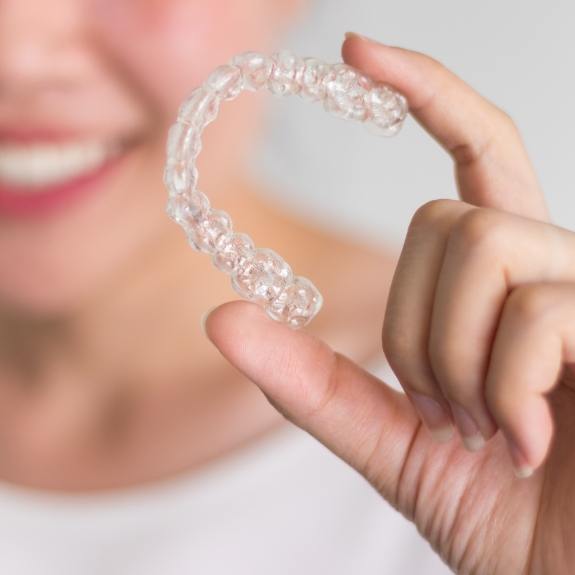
35	134
20	202
16	201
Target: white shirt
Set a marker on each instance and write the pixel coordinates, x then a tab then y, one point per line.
282	505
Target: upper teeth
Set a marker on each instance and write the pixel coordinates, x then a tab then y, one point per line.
44	164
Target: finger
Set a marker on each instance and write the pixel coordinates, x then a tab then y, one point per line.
535	336
353	413
492	165
488	254
406	325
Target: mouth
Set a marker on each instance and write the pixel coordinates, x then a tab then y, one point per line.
38	176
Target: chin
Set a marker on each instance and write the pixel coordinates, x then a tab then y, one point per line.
31	295
60	275
59	256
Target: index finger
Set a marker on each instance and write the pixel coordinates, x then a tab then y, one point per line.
492	165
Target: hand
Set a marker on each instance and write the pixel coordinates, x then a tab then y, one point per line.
480	330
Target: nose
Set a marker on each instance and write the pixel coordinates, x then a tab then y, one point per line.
35	42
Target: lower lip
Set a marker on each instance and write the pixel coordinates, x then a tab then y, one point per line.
19	202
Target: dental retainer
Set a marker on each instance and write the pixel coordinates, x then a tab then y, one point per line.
260	274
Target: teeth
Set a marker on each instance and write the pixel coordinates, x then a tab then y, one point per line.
34	166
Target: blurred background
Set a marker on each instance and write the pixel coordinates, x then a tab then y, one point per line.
515	53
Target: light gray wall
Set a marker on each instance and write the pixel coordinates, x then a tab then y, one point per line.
518	53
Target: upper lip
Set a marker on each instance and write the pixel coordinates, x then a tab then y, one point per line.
22	134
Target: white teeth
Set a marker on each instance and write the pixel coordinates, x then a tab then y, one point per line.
36	165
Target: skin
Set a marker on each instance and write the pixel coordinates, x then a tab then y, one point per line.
106	380
478	329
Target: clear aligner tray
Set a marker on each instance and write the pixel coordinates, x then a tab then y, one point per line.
260	274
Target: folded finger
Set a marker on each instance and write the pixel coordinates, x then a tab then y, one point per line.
407	319
488	254
536	336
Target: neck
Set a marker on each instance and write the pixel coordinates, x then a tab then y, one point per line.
133	358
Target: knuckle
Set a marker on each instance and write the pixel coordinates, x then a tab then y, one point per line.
313	374
317	397
431	62
530	303
433	213
480	230
504	119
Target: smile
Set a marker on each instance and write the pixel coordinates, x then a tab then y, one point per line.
36	177
30	168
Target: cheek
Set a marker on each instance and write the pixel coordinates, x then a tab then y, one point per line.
58	262
168	47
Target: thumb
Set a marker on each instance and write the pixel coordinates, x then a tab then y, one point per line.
349	410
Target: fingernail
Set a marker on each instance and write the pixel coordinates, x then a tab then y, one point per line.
470	434
434	416
351	35
205	317
521	468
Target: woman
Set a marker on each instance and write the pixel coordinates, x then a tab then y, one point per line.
108	383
